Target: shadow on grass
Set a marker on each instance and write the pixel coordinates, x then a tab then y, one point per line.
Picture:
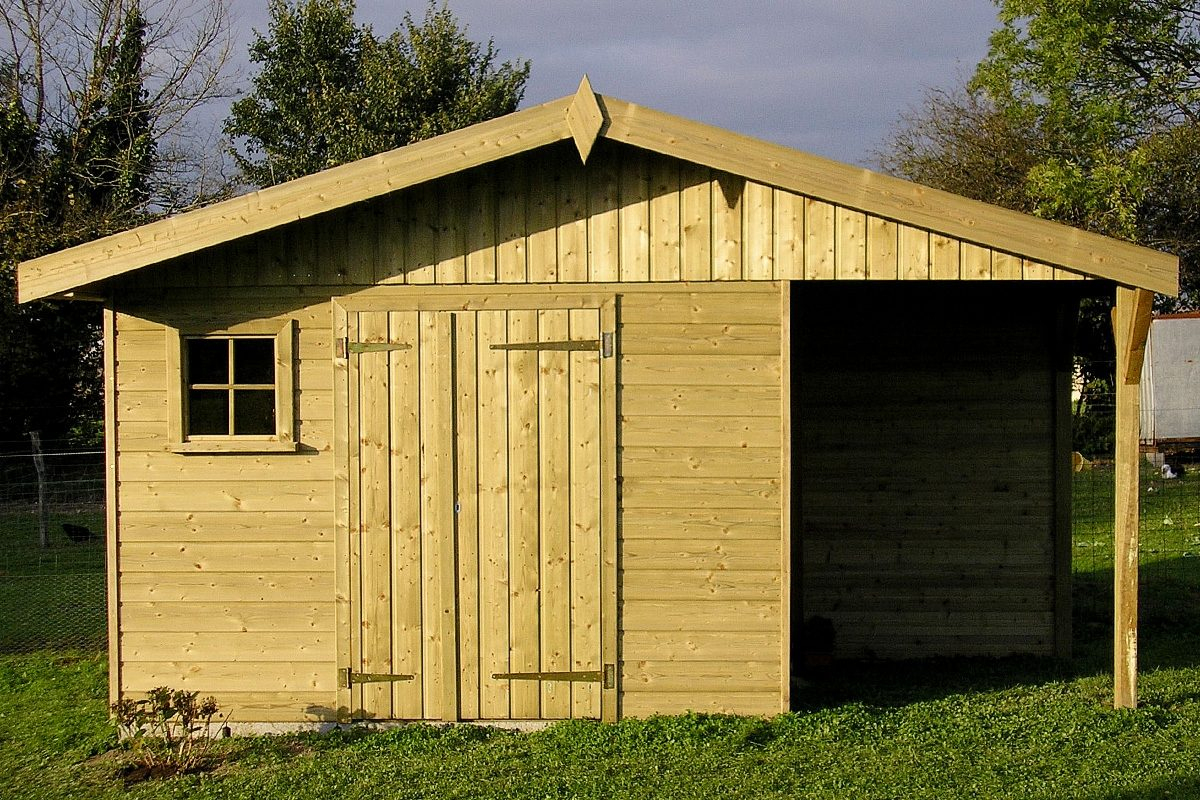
1169	629
1182	787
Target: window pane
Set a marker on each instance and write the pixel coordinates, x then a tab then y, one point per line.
254	361
208	412
207	361
253	411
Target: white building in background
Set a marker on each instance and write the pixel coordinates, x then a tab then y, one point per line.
1171	383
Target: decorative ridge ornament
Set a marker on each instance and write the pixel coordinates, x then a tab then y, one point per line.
585	119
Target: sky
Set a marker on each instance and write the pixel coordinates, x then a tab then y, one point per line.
829	77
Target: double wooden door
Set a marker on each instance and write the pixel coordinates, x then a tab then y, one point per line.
478	550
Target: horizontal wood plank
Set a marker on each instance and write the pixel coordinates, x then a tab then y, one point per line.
227	526
208	646
228	616
700	462
233	676
214	587
227	557
243	495
701	555
716	432
700	401
699	676
699	615
645	704
680	646
685	581
707	370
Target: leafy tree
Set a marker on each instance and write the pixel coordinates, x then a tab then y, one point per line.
329	91
958	141
90	97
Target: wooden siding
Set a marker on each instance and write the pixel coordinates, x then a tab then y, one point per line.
700	464
228	562
926	420
628	216
225	561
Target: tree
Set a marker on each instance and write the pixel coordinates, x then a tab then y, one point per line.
329	91
958	141
1091	112
94	100
1096	78
1091	94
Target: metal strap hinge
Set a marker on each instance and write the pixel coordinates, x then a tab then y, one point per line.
352	677
375	347
606	677
569	344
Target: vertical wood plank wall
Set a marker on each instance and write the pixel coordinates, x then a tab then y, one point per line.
628	216
927	474
227	561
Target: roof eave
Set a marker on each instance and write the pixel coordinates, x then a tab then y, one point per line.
893	198
584	117
309	196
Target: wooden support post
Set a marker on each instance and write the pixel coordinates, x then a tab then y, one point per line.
39	465
1131	323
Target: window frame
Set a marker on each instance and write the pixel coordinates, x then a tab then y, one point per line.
283	440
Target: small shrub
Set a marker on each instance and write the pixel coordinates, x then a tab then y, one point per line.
169	732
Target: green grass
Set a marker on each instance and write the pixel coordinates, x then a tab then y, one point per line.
22	554
53	597
1008	728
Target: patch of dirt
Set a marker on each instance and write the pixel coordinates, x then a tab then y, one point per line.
117	764
132	774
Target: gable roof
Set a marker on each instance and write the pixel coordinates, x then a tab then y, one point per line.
585	117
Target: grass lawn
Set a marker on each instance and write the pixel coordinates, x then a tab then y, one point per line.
1004	728
51	597
1010	728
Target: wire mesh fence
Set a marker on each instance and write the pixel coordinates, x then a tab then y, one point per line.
1169	529
52	579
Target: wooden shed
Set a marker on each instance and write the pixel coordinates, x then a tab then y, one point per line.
1170	417
581	412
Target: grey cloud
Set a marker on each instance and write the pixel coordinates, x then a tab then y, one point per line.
827	76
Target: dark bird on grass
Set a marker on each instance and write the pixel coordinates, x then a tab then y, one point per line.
78	533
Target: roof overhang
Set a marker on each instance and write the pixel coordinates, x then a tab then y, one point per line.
585	117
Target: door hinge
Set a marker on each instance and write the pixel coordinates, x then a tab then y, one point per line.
569	344
351	677
374	347
607	344
606	677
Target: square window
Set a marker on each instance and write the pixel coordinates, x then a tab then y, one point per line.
253	412
233	390
208	412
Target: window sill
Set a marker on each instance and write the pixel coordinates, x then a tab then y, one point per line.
235	446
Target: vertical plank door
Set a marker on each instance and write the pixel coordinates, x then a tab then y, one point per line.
476	513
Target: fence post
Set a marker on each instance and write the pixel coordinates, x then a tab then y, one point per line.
39	464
